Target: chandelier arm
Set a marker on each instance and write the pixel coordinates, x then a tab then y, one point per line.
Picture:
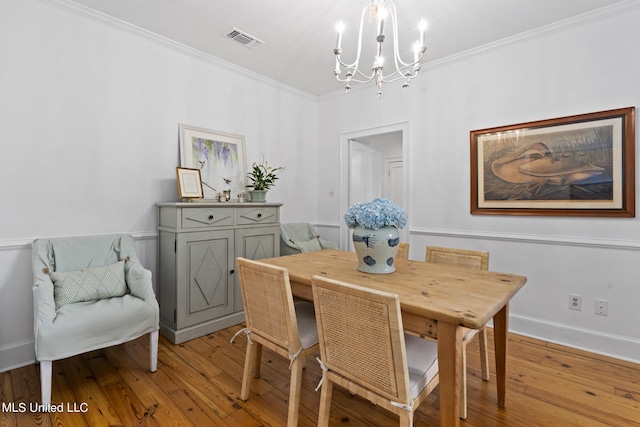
354	65
355	80
390	78
396	50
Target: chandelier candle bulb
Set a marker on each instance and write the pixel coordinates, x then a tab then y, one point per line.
381	29
340	29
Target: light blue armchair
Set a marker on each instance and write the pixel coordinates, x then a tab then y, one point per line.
89	293
298	237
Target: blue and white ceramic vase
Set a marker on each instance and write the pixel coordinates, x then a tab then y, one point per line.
376	249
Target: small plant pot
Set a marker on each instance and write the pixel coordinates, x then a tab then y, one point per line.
259	196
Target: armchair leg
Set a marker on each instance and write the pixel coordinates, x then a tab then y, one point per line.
153	350
45	381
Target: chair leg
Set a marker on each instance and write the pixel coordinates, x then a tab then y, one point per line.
294	391
249	369
463	389
153	350
258	360
45	381
325	403
484	354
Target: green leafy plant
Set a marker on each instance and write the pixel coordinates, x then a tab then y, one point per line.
263	176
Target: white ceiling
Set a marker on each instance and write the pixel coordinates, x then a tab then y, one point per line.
300	35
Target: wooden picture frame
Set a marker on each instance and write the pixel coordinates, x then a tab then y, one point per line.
189	183
582	165
219	156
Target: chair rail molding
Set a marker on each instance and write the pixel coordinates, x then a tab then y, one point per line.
26	242
512	237
530	238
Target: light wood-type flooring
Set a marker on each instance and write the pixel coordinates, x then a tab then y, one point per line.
198	384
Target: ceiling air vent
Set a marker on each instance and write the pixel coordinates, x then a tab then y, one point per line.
243	38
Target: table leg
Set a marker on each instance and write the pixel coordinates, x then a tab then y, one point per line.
450	368
500	329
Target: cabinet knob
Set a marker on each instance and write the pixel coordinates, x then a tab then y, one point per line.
232	271
259	215
210	217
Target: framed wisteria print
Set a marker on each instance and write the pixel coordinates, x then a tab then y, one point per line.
219	156
582	165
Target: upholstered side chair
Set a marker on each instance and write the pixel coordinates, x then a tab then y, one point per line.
89	292
364	349
478	260
298	237
274	321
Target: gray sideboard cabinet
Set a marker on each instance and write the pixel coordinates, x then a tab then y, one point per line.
197	288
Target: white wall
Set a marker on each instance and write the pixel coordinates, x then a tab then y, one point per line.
582	66
89	119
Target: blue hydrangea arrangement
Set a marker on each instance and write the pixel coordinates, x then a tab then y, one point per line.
375	215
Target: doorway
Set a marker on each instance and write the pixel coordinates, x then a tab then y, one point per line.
374	163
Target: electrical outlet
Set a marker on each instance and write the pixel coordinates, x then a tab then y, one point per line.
602	307
575	302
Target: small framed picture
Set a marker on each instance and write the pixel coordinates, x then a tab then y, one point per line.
189	183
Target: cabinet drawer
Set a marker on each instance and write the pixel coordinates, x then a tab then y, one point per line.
259	215
206	217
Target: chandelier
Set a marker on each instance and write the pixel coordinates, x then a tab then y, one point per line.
379	12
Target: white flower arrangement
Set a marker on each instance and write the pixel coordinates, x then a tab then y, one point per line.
375	215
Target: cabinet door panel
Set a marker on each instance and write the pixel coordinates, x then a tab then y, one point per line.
210	285
255	243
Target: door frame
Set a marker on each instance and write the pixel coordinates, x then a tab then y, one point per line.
403	127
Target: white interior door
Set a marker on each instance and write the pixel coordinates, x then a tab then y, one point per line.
365	178
394	170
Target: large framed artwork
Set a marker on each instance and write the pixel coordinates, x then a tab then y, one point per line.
219	156
582	165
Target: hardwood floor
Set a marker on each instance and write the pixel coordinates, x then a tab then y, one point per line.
198	383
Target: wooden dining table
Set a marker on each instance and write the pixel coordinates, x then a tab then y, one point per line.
437	302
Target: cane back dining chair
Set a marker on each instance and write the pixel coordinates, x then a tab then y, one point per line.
478	260
275	322
364	349
403	251
89	292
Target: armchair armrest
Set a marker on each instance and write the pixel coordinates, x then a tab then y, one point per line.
327	244
44	310
138	279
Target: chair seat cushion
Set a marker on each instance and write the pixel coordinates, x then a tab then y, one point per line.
88	284
306	324
87	326
422	361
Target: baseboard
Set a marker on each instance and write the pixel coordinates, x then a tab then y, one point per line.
17	356
201	329
615	346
